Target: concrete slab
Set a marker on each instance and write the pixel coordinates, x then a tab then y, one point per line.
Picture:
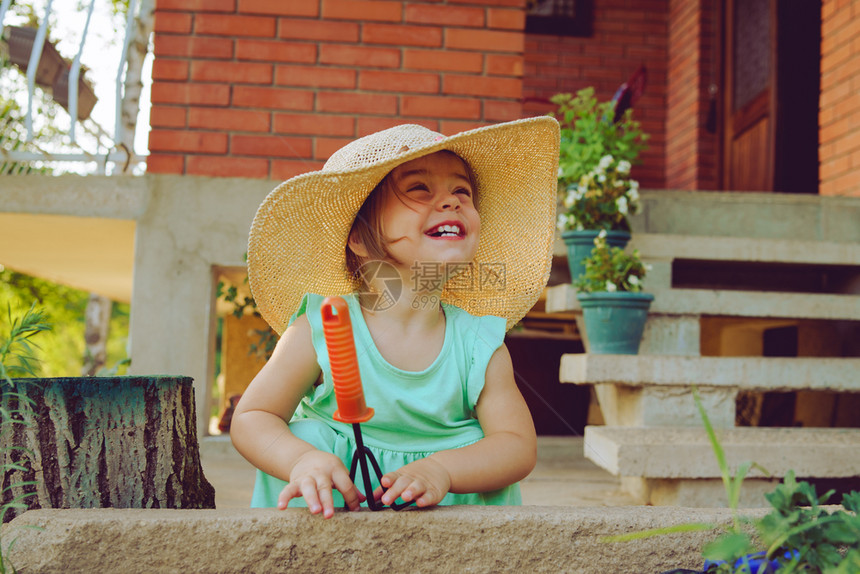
450	539
744	373
562	298
678	452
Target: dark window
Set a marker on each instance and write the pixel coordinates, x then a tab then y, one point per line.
559	17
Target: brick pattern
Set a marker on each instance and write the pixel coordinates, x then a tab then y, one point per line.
626	34
692	64
839	115
269	89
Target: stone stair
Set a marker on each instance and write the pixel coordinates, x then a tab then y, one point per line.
715	297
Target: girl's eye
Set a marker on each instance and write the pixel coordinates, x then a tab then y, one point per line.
463	191
417	187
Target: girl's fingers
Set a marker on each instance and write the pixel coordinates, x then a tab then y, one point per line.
326	499
288	493
351	496
310	494
404	487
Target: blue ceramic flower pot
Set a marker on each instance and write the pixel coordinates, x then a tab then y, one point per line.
614	322
580	243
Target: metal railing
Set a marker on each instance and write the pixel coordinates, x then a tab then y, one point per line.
112	149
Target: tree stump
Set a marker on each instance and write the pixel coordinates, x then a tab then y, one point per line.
97	442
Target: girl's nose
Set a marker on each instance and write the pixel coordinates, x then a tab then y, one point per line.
448	201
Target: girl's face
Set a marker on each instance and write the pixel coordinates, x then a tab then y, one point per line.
428	215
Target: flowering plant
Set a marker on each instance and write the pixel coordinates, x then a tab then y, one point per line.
597	151
611	269
602	199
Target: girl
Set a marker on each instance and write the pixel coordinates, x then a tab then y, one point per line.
439	245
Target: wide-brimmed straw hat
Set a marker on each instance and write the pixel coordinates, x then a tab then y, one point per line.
298	238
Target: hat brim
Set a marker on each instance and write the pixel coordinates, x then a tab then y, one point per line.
298	239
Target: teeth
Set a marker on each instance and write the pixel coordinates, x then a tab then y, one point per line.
455	229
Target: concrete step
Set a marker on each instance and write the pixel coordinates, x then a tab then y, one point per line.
737	373
681	452
654	390
673	302
664	246
672	466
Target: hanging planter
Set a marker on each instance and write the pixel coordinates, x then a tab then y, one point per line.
86	96
21	40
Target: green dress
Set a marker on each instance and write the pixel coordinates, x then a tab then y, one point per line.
416	413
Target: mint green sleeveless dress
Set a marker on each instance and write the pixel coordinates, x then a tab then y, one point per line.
416	413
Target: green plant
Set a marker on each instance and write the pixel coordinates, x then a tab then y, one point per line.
611	269
266	338
16	408
797	535
595	158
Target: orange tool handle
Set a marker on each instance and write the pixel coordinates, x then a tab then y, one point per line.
348	391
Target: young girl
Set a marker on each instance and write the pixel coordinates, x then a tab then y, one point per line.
439	245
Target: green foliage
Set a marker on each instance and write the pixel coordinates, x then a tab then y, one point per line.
266	338
16	408
62	349
611	269
595	158
797	535
17	357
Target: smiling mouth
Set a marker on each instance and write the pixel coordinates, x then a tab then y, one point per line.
447	231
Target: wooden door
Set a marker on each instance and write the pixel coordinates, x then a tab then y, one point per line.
749	96
771	63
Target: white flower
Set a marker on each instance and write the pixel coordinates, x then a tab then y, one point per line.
621	203
602	233
610	286
562	222
570	198
606	161
633	280
601	178
634	185
560	172
623	166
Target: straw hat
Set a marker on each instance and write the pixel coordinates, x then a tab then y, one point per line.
298	237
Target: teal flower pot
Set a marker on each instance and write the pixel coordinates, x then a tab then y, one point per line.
614	322
580	243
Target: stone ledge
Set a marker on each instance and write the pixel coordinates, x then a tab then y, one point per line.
448	539
677	452
562	298
663	246
743	373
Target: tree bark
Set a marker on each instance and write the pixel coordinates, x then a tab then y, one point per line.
96	442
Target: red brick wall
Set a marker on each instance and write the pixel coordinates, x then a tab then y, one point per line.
839	116
692	69
270	88
626	34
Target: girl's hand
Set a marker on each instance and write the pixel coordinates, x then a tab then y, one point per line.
425	481
313	476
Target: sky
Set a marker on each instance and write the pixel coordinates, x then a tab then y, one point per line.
102	51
